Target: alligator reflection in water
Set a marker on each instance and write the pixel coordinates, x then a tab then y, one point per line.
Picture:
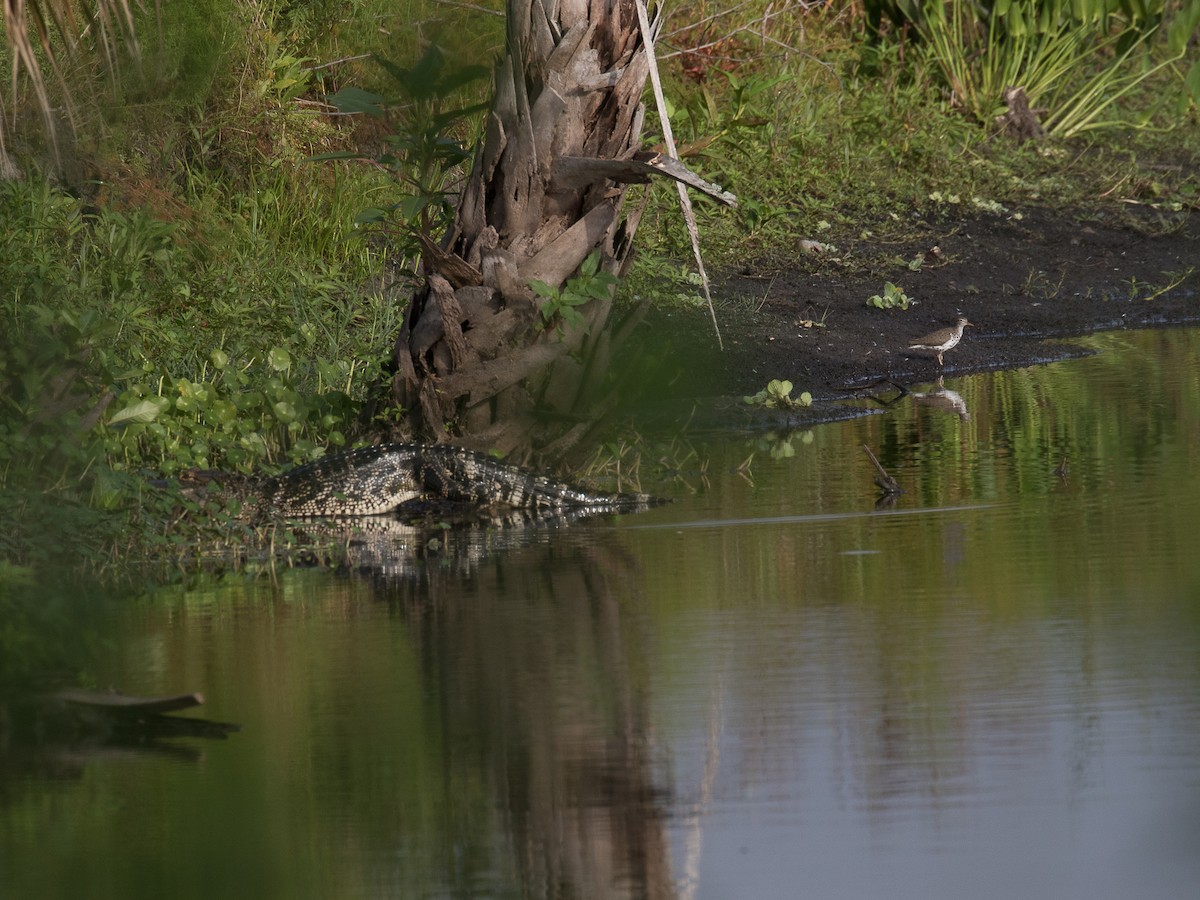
447	539
532	655
534	645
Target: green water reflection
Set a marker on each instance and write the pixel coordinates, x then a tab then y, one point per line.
990	690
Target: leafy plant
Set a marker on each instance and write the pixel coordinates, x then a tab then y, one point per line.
191	361
590	284
778	395
427	148
1082	110
892	297
239	416
738	108
288	78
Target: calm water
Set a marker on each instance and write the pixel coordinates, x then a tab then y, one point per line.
768	689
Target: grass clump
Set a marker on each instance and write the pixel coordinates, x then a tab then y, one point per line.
821	131
1074	61
185	336
127	349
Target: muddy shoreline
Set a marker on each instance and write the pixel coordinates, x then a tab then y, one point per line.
1028	279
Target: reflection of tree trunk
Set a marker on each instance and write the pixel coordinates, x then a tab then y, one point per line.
537	203
532	656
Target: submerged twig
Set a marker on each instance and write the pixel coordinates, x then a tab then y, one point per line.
886	482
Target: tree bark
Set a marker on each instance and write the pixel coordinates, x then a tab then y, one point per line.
546	190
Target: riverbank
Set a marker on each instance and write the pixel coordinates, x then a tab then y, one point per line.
1022	275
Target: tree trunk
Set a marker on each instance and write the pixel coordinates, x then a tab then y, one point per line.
545	192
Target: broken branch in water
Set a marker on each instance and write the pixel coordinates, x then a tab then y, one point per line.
886	482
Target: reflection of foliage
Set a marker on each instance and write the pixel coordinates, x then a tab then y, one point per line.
49	631
552	630
782	445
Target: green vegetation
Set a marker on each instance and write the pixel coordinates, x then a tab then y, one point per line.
425	151
560	305
778	395
891	298
216	275
836	139
1074	60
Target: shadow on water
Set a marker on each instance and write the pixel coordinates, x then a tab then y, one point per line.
536	660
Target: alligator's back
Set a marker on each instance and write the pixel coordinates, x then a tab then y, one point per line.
364	482
380	479
459	474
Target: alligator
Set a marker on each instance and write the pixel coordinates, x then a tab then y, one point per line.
394	478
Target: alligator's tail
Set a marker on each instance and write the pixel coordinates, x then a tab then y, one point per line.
459	474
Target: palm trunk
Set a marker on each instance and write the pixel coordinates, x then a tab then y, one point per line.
545	192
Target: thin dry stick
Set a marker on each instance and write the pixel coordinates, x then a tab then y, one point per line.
685	201
474	7
702	22
338	62
886	482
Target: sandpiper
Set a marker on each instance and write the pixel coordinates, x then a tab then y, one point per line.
942	340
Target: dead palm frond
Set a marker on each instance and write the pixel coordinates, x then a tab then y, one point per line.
46	39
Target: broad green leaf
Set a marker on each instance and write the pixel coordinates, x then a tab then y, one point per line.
279	359
356	100
223	412
598	289
411	207
142	411
371	215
